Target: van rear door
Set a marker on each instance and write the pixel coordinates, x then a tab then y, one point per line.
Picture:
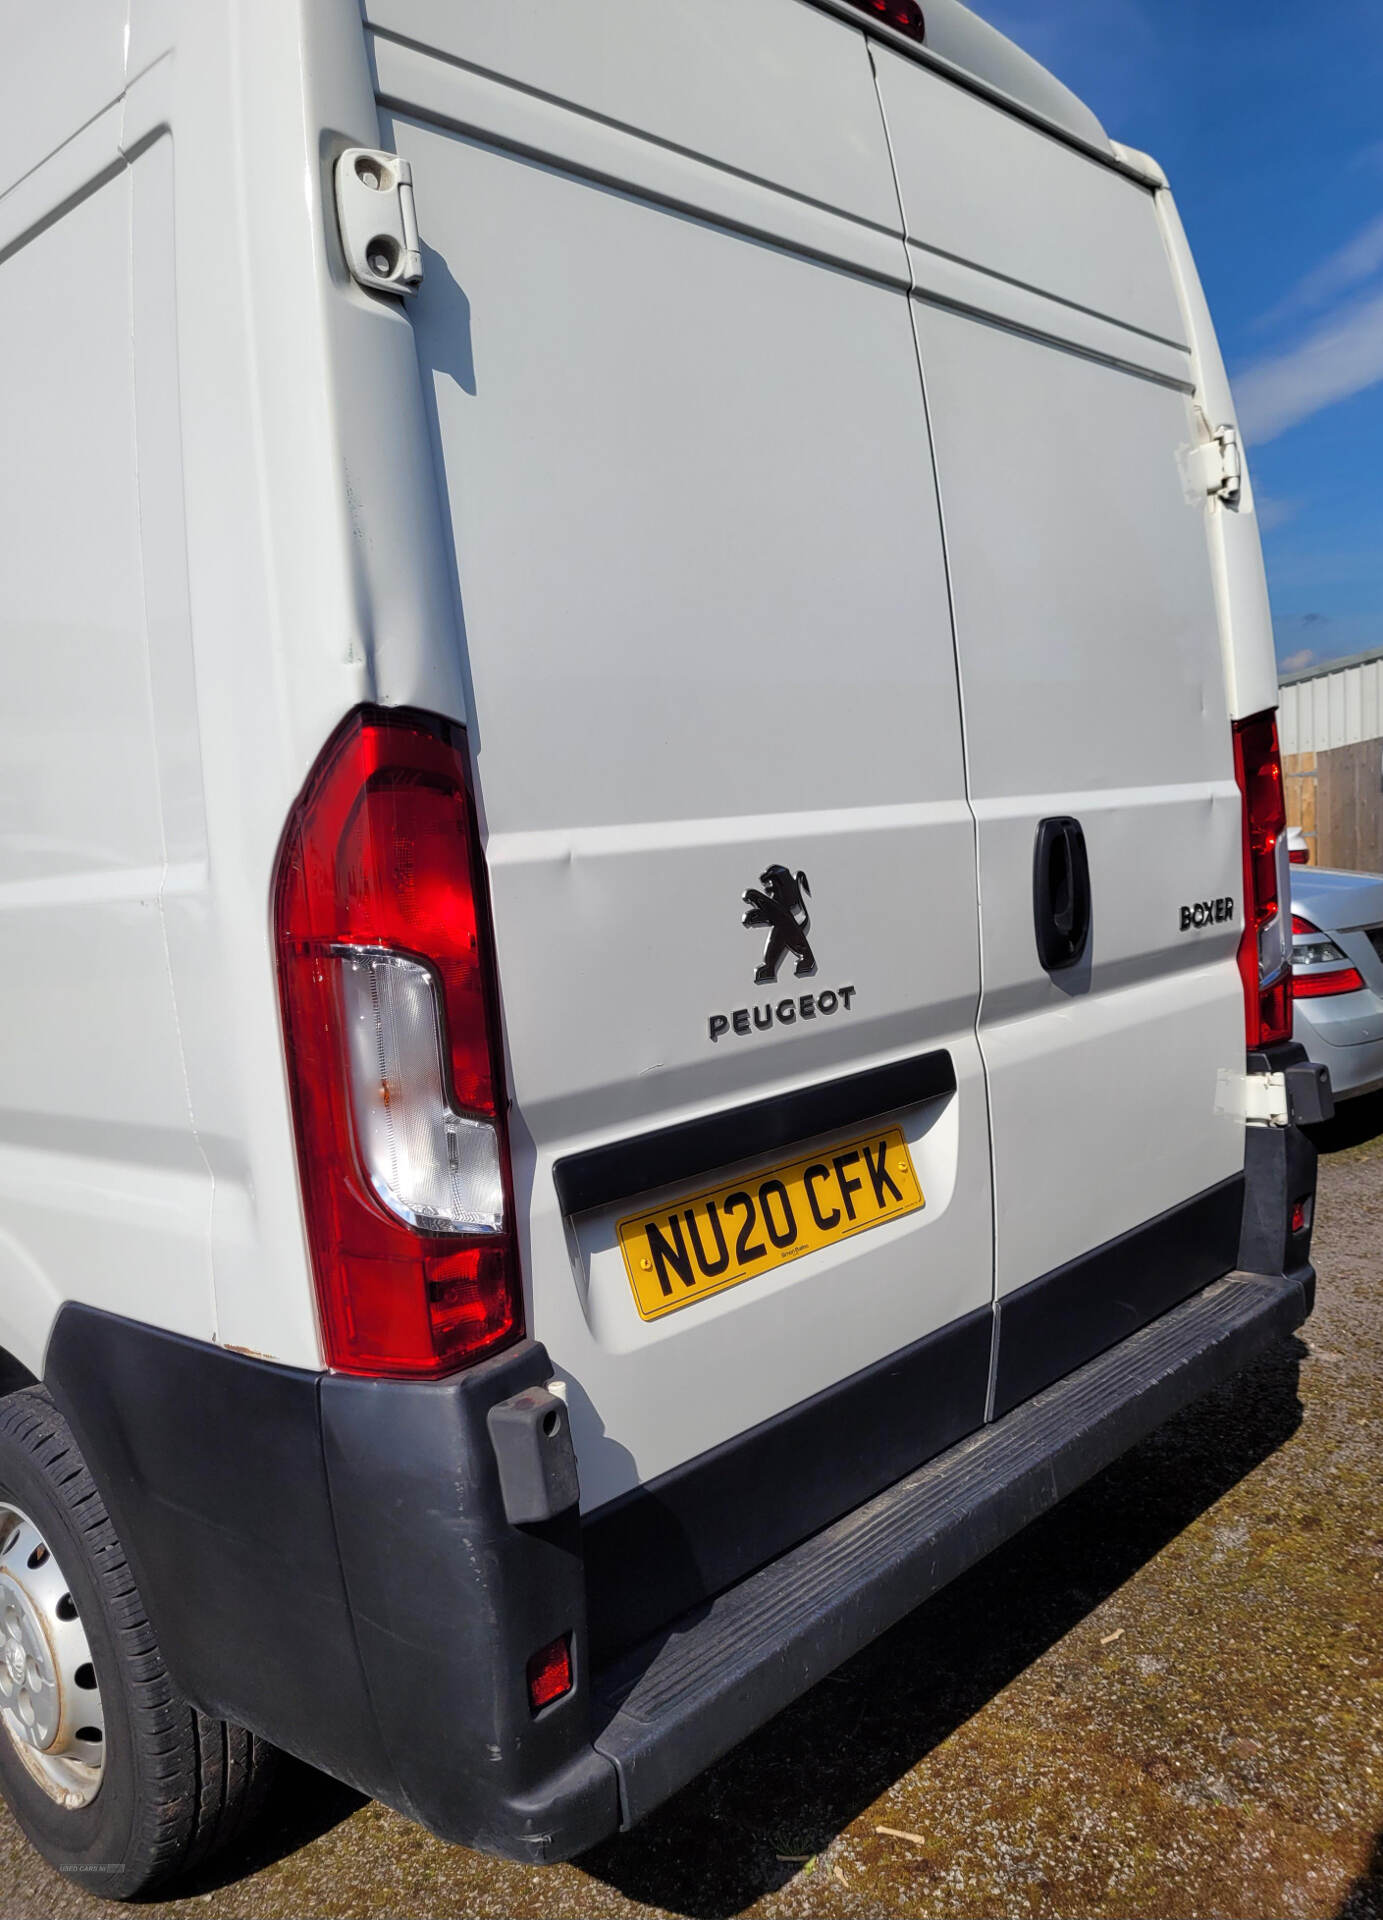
1059	389
665	337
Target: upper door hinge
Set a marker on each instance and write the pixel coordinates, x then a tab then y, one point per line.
379	222
1217	465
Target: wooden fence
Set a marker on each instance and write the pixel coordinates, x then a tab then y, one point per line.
1336	798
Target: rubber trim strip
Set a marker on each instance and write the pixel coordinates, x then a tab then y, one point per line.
668	1155
673	1543
1062	1319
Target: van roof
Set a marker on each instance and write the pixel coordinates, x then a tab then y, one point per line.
961	44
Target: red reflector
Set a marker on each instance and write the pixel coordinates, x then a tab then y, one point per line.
1298	856
1318	986
1300	1215
905	15
549	1674
381	858
1265	962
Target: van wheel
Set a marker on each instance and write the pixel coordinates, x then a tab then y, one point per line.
114	1777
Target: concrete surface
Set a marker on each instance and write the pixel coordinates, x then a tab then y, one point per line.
1165	1699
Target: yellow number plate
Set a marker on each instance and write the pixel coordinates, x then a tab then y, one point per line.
734	1233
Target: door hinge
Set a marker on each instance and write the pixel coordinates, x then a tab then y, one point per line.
379	222
1258	1099
1217	465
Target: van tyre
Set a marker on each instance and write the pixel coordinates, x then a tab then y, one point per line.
118	1781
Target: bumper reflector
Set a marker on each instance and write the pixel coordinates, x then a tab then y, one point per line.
549	1674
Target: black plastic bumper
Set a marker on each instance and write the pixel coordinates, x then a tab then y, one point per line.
329	1562
1280	1166
360	1570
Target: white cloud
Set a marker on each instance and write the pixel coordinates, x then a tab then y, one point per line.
1343	356
1272	512
1349	266
1295	661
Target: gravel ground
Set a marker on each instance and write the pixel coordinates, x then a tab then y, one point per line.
1165	1699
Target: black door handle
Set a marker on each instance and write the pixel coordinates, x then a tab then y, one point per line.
1060	893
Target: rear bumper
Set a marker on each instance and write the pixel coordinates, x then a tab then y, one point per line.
1356	1066
673	1707
331	1562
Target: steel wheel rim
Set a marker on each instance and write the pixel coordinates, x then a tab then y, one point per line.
50	1703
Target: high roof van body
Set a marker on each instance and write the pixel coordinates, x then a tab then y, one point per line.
641	882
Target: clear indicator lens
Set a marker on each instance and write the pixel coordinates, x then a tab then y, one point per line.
1274	949
437	1169
1316	950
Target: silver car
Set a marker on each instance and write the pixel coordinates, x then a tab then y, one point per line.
1337	982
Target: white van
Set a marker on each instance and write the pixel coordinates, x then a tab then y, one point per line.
640	821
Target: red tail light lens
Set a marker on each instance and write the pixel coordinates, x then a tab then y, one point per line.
549	1674
1265	959
391	1030
905	15
1329	964
1298	856
1319	986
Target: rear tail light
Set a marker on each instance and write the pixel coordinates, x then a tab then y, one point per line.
1299	856
1312	948
1318	986
1265	957
905	15
390	1025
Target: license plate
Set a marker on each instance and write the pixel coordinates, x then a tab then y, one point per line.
734	1233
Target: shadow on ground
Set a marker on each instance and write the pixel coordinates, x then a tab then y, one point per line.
1364	1901
301	1805
1356	1122
744	1828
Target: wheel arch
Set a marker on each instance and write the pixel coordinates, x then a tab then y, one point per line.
14	1375
29	1305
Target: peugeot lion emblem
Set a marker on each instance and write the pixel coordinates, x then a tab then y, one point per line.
779	902
781	908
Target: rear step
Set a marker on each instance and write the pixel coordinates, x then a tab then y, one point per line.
673	1706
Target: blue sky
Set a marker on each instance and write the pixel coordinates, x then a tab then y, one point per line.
1268	119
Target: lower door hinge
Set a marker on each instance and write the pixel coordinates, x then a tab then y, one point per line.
1265	1100
379	222
1259	1099
1217	464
